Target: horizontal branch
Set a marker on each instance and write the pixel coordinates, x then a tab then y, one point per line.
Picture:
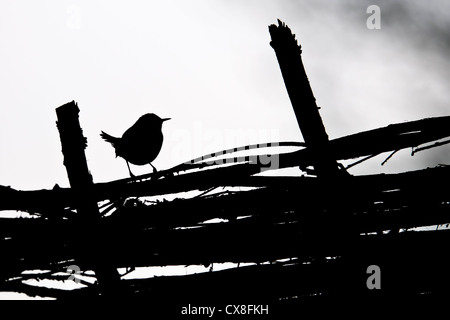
412	255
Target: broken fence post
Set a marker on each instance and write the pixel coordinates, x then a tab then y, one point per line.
288	53
73	144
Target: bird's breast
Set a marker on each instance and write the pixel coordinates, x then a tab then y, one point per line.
143	148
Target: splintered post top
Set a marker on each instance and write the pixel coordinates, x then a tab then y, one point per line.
282	37
289	57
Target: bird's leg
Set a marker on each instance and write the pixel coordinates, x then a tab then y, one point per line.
154	169
129	170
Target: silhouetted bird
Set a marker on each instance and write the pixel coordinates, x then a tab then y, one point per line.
141	143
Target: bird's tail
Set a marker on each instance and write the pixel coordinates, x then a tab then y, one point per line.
109	138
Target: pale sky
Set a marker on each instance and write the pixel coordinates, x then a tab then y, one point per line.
209	66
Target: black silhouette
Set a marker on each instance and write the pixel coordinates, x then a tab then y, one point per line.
309	239
88	246
141	143
288	53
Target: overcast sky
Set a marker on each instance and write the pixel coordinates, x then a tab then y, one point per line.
209	66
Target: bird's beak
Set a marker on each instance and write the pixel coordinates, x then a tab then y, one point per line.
165	119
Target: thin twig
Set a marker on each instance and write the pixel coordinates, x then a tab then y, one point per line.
390	156
434	145
362	160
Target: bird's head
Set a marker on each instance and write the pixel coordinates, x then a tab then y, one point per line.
152	119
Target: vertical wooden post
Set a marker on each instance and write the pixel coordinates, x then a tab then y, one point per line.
302	98
73	144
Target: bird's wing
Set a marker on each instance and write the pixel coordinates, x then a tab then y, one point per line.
136	131
130	133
